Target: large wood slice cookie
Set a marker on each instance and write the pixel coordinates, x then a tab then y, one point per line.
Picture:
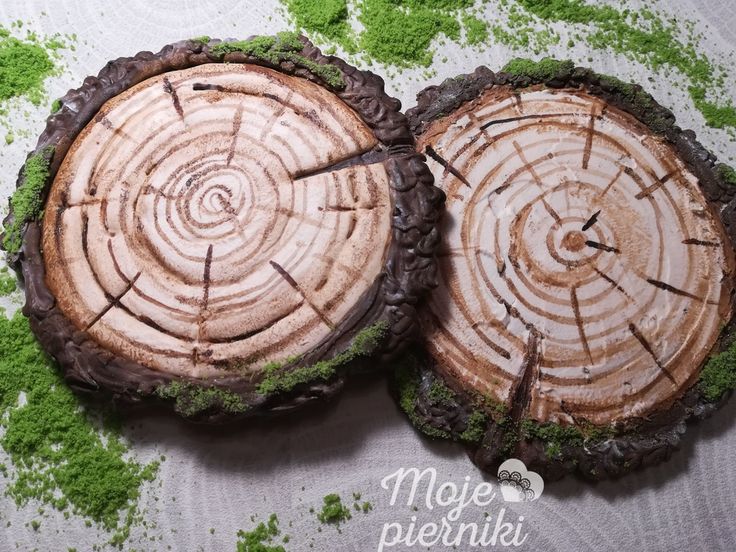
229	226
586	273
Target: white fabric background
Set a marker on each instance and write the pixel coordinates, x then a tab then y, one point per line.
219	478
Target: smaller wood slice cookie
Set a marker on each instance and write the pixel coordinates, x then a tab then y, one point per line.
586	273
227	226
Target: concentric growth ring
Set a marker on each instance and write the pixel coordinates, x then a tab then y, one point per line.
221	229
575	233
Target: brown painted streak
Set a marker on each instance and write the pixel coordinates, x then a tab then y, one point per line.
611	281
293	283
646	192
602	246
530	376
551	211
694	241
579	322
362	159
206	277
237	121
115	263
648	348
527	166
115	301
672	289
348	208
432	154
525	117
205	86
589	137
105	122
169	89
591	221
613	181
277	115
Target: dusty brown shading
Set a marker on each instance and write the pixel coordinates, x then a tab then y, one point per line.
585	275
230	232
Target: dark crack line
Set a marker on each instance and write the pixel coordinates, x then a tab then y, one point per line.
169	89
524	118
530	375
362	159
429	150
293	283
589	137
672	289
648	348
646	192
579	322
113	302
591	221
611	281
694	241
237	122
602	246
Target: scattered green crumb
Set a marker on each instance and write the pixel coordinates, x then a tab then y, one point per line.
282	47
35	524
191	399
8	283
329	18
204	39
363	344
24	65
26	202
60	455
9	138
55	106
261	538
366	507
212	530
557	436
719	374
333	510
476	30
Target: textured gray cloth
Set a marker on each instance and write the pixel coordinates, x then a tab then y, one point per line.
219	478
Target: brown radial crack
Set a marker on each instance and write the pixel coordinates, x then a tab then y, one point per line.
579	322
527	166
205	86
601	246
551	211
589	136
646	192
169	89
237	121
105	122
530	375
648	348
206	277
114	301
591	221
294	284
432	154
524	118
362	159
694	241
613	181
611	281
672	289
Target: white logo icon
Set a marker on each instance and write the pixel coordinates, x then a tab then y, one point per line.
517	483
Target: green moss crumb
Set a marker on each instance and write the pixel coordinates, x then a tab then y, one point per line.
407	384
9	138
24	65
261	538
333	510
328	18
726	173
557	436
56	106
476	427
718	376
26	202
440	394
192	399
8	283
476	30
204	39
282	47
363	344
541	71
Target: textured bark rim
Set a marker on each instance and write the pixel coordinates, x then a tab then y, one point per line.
440	409
381	321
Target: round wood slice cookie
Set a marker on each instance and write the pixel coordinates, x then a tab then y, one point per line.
586	273
227	226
